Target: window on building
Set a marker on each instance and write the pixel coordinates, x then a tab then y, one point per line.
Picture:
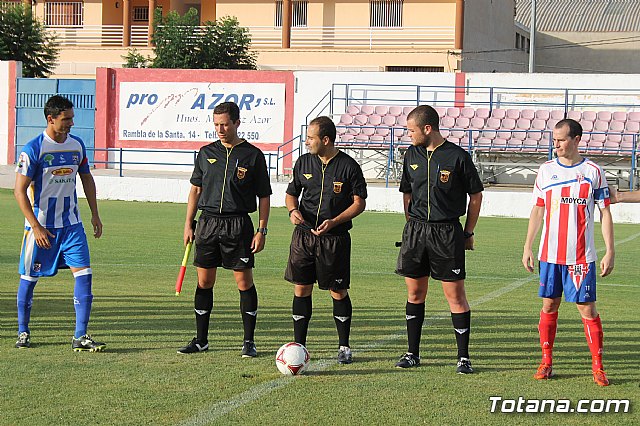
64	13
517	40
141	14
385	13
409	68
299	12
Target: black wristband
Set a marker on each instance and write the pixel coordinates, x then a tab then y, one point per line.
468	235
263	231
291	212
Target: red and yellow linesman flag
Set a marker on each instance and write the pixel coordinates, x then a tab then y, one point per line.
183	268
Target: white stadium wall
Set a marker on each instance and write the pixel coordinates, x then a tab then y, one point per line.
495	203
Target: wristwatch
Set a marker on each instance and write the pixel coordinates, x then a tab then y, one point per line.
263	231
468	235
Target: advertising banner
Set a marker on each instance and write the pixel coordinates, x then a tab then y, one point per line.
183	111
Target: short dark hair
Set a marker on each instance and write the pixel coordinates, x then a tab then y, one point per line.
56	105
423	115
326	127
575	129
230	108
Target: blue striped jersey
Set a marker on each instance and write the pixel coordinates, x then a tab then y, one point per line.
52	168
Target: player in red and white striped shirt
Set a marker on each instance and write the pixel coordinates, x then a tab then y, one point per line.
565	194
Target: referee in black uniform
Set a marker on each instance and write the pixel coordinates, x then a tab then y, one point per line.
437	176
228	176
333	193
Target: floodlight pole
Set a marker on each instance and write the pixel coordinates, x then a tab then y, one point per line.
532	38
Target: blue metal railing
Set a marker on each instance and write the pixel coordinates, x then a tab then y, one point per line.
344	94
120	161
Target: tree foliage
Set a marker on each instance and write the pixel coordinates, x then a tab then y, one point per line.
180	42
135	59
24	38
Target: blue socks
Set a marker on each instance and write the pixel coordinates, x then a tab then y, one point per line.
25	300
82	299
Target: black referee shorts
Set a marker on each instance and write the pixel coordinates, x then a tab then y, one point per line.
325	259
224	241
432	249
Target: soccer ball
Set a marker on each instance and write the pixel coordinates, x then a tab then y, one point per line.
292	359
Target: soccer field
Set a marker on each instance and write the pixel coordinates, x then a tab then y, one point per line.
140	379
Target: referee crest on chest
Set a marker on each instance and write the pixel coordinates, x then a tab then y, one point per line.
444	176
241	173
337	187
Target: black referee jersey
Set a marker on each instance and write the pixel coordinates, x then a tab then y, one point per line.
327	190
231	178
439	182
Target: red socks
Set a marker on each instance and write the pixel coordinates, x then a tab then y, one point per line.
547	329
594	335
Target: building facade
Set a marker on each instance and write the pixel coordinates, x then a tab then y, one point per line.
371	35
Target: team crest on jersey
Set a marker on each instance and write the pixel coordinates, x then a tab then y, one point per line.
307	175
76	159
444	176
211	160
413	166
579	177
337	187
37	266
48	159
242	172
578	274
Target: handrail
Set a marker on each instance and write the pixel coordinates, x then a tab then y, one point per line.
489	96
368	38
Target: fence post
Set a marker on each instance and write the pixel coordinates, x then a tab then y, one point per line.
633	162
566	102
490	100
120	162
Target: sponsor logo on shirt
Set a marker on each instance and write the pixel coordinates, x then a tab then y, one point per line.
444	176
62	172
23	159
337	187
76	159
62	160
413	166
48	159
573	200
242	172
307	175
211	160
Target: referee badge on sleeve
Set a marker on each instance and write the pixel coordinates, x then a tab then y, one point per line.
444	176
242	172
337	187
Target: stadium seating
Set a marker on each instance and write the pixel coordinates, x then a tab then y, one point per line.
508	130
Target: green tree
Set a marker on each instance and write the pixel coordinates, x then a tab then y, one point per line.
181	43
135	59
175	38
225	45
24	38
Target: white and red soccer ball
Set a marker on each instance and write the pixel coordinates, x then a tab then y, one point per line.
292	359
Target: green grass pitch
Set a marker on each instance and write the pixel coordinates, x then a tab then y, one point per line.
140	379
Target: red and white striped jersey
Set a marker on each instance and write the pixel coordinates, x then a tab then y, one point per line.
568	195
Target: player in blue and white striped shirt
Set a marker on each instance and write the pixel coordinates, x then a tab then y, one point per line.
54	236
